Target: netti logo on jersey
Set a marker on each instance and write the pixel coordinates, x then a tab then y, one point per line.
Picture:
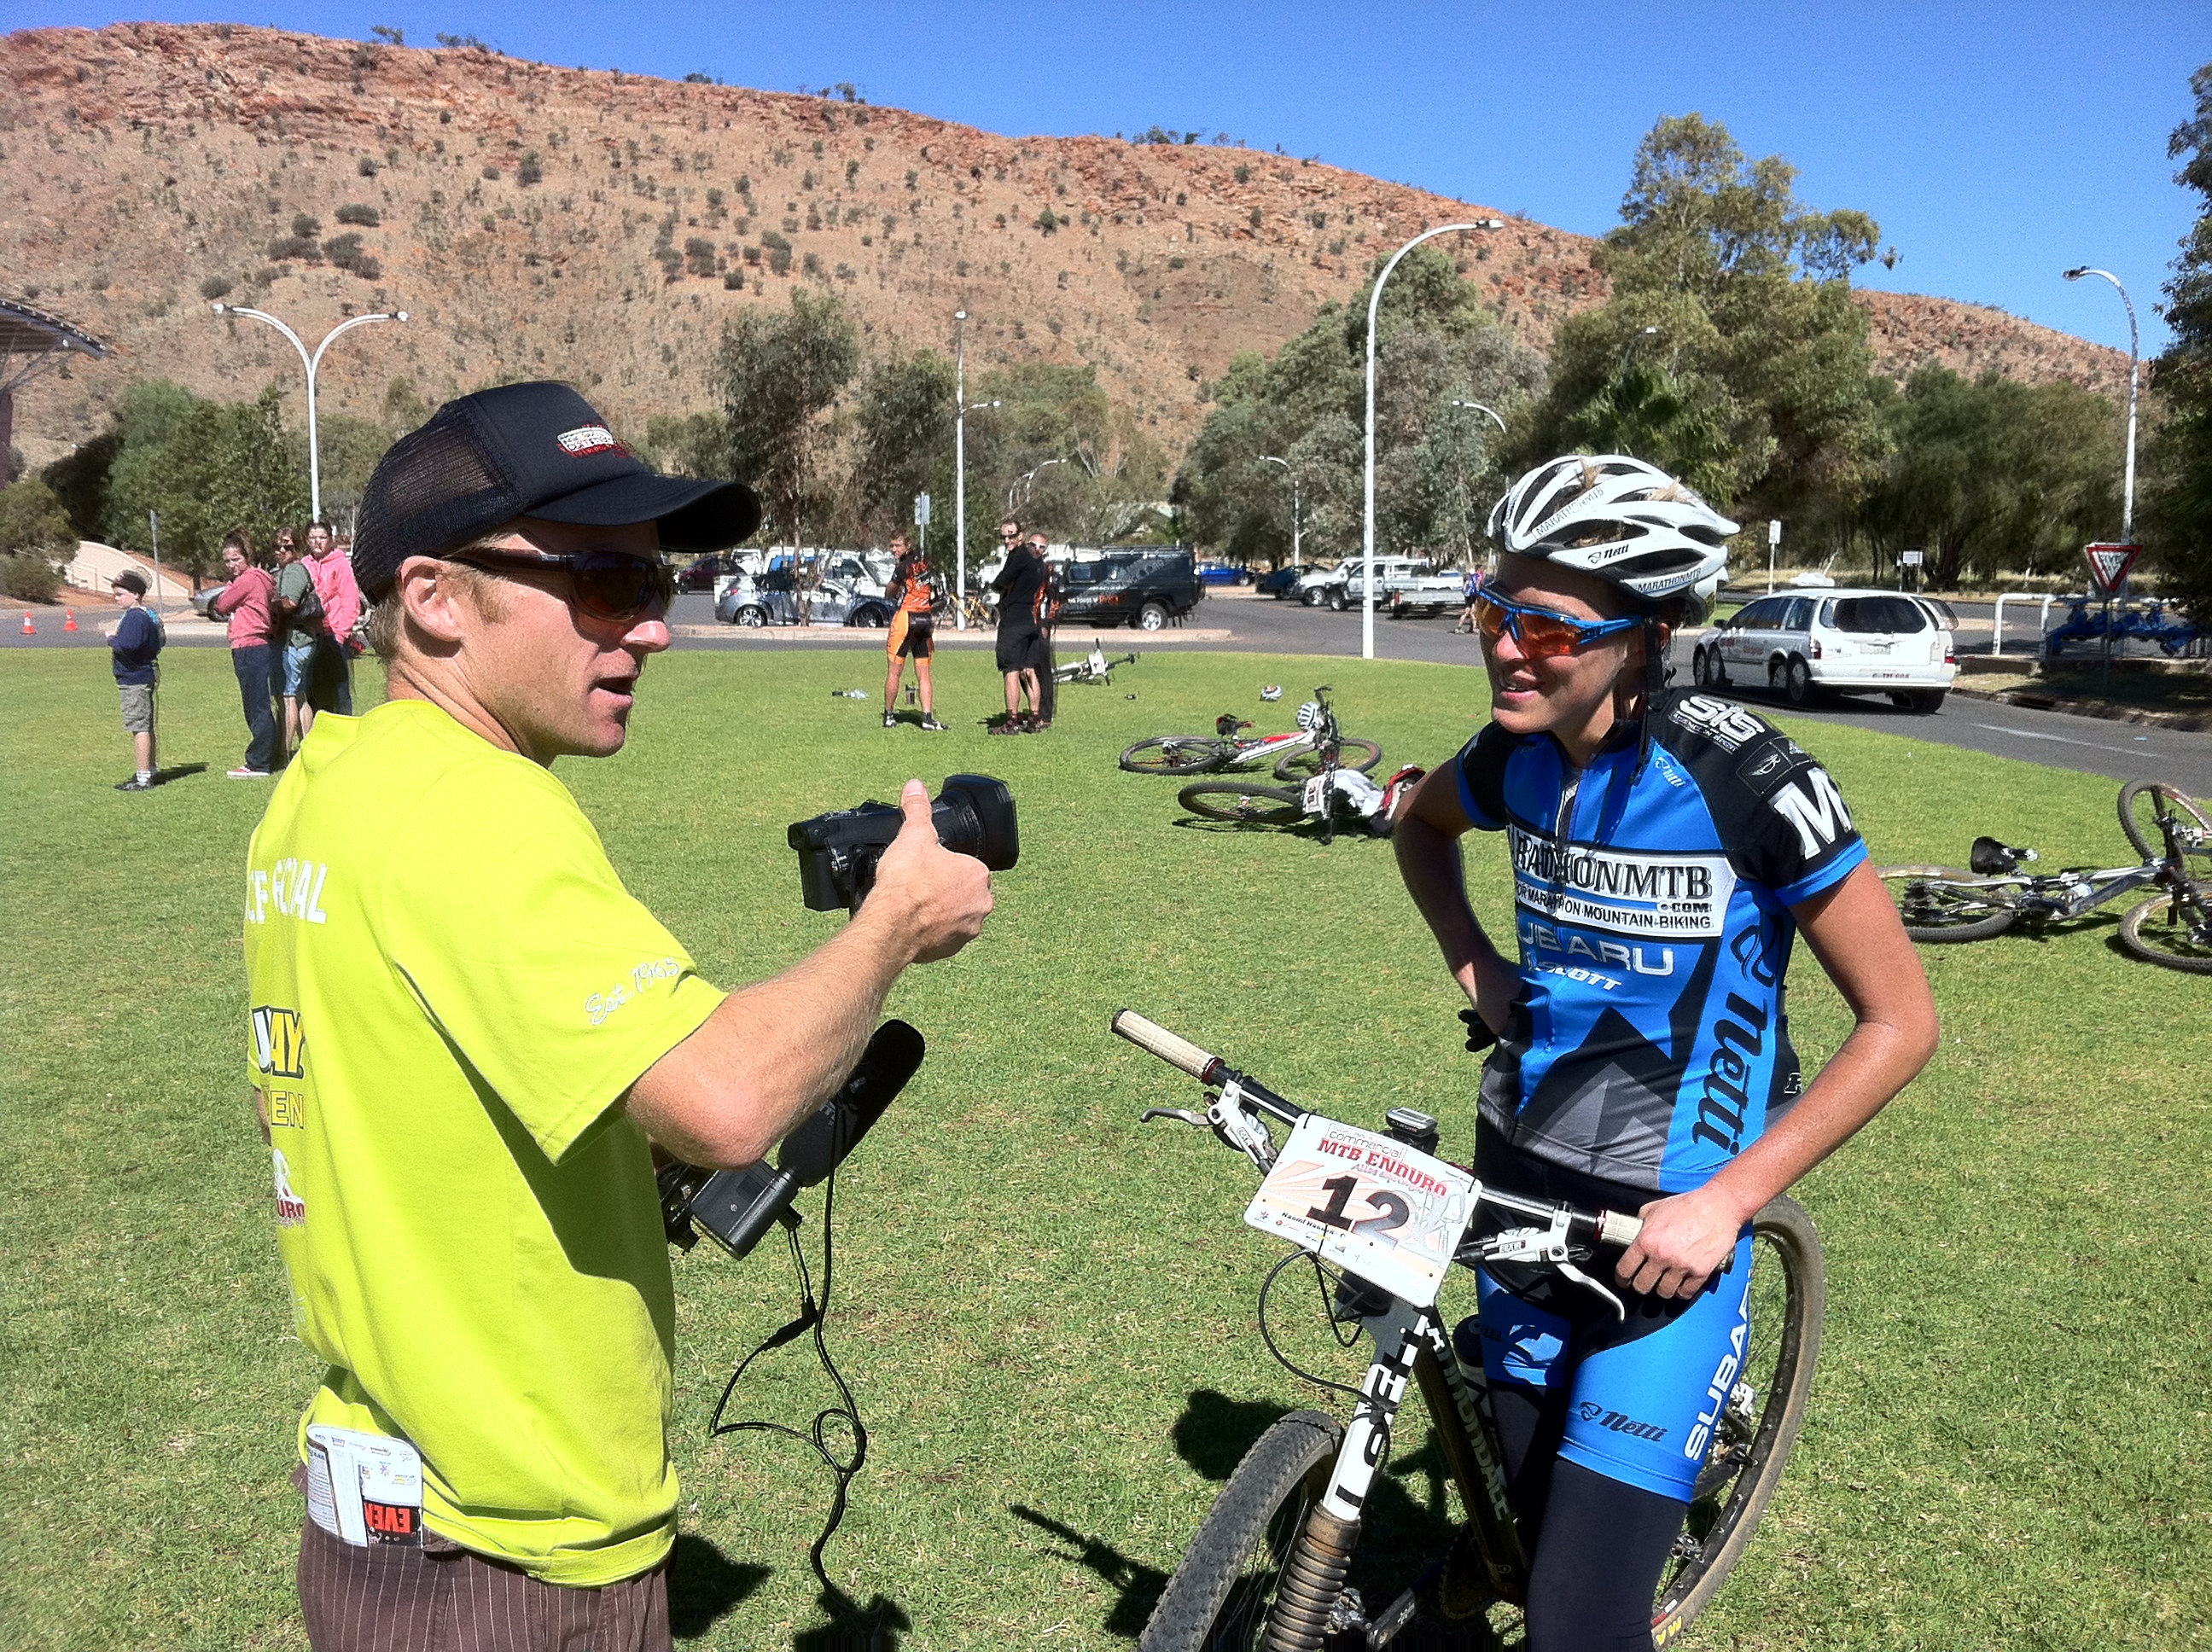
1630	894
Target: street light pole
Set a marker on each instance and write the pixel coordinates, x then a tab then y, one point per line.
1480	408
1021	483
313	365
961	409
1297	560
2127	507
1374	307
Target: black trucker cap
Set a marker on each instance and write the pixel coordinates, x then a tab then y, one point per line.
527	449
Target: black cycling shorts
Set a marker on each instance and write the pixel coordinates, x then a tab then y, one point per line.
911	636
1019	649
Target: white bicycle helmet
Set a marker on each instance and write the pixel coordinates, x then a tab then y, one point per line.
1622	520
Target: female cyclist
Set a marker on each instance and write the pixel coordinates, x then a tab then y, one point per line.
1665	848
913	593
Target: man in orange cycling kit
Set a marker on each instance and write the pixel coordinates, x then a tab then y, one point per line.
913	594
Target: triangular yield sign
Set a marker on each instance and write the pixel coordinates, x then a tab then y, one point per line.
2110	563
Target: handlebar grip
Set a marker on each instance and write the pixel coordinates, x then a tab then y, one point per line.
1155	1040
1613	1229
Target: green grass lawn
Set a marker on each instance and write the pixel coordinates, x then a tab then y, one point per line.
1046	1310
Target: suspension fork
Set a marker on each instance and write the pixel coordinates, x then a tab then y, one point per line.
1320	1559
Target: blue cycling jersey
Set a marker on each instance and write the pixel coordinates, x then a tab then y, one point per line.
1648	1043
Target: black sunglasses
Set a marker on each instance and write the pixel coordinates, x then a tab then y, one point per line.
608	585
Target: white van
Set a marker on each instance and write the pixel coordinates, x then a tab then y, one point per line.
1798	644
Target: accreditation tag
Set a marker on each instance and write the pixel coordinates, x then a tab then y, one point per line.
364	1488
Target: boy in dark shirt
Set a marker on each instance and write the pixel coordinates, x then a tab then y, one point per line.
136	642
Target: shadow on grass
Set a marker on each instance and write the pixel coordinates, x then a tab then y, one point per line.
875	1627
705	1585
1409	1520
163	776
1308	830
1138	1584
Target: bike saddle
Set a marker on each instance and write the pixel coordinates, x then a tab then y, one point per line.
1990	857
1228	723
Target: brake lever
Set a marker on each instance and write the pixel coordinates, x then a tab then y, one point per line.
1549	1246
1181	1113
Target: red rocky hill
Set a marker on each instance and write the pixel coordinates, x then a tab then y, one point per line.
596	226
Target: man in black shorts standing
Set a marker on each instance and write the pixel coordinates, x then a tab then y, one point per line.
1020	585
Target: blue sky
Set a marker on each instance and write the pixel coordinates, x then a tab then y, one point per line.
1996	144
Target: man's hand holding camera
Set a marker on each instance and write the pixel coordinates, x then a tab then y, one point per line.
927	901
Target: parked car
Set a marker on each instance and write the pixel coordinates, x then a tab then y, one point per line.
1223	574
1798	644
1425	591
1143	588
779	597
1283	583
702	574
204	601
1344	586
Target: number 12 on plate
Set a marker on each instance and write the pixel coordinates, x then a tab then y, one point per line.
1374	1206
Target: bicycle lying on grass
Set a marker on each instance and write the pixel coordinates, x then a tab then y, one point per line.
1335	797
1272	1566
1093	667
1292	755
2172	928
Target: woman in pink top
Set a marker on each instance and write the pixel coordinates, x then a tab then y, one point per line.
245	604
331	688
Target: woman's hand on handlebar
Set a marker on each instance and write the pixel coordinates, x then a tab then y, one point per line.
1685	1240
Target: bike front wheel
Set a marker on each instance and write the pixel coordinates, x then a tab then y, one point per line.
1946	903
1175	754
1260	806
2142	805
1362	754
1219	1599
2175	931
1761	1419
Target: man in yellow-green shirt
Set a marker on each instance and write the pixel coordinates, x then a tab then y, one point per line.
465	1036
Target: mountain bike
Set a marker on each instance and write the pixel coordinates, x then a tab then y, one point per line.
1335	797
2173	927
1093	667
1292	755
1272	1567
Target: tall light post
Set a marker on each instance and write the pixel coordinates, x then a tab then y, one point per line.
1374	306
961	408
1022	481
1297	560
314	364
2127	507
1480	408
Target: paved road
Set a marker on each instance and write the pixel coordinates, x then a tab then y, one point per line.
1259	625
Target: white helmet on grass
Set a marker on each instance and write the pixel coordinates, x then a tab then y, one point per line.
1623	521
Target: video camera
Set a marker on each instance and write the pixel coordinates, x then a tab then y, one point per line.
838	851
734	1208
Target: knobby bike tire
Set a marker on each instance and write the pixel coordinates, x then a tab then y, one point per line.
1362	754
2156	933
2151	845
1946	903
1177	754
1751	1440
1257	806
1219	1597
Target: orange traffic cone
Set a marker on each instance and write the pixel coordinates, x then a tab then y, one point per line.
29	630
68	619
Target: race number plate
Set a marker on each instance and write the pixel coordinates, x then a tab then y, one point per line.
1374	1206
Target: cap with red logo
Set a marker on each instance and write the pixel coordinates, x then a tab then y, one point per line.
536	450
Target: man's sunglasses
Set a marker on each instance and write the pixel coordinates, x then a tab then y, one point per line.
1541	633
608	585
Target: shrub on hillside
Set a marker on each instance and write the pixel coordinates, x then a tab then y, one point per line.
306	226
29	578
215	286
355	212
344	250
530	172
33	522
295	246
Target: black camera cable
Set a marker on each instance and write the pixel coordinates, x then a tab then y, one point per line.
812	1316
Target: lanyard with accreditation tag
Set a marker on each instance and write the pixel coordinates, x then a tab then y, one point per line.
364	1488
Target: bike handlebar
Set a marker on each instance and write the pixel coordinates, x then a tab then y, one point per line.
1155	1040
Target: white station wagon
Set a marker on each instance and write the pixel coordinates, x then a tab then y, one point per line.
1799	643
